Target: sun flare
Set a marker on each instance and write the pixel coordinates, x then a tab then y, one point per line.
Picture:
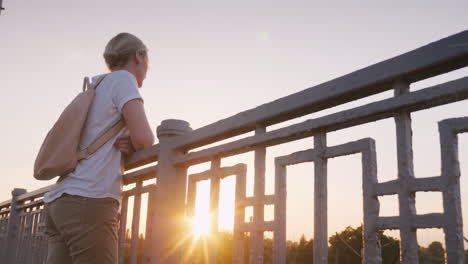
201	221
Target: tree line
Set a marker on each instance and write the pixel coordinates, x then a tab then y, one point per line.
344	248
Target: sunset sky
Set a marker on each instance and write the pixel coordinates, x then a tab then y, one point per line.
212	59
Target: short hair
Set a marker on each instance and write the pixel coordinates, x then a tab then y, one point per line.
119	49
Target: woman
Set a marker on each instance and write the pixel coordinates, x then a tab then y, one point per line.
82	209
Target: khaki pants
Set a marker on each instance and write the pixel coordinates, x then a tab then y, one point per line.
82	230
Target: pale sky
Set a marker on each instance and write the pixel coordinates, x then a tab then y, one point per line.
213	59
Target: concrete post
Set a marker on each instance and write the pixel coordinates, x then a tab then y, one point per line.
372	249
123	230
320	201
279	246
12	229
406	198
214	211
256	245
169	228
453	229
135	223
239	217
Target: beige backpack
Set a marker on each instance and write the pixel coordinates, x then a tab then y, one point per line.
59	153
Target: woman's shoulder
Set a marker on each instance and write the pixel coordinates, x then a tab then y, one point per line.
121	75
117	78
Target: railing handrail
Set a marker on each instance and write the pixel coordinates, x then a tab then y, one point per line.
444	93
34	194
5	204
28	196
436	58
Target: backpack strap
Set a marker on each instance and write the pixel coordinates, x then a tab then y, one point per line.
87	85
100	141
98	81
110	133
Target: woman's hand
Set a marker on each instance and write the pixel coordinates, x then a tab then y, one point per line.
124	143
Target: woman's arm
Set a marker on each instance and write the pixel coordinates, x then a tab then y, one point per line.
138	127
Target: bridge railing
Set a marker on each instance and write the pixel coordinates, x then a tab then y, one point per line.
171	198
22	237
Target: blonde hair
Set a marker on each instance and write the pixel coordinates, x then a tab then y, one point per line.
119	49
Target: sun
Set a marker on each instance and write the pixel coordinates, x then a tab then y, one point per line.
201	221
202	218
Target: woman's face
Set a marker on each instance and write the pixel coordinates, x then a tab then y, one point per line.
142	67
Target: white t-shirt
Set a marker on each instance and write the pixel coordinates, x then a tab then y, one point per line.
100	175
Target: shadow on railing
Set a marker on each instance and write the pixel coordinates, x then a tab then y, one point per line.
169	203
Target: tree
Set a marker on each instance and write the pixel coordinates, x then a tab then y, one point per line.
268	251
346	247
347	243
305	251
433	254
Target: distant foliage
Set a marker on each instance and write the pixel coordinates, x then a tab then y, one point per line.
345	248
300	252
433	254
